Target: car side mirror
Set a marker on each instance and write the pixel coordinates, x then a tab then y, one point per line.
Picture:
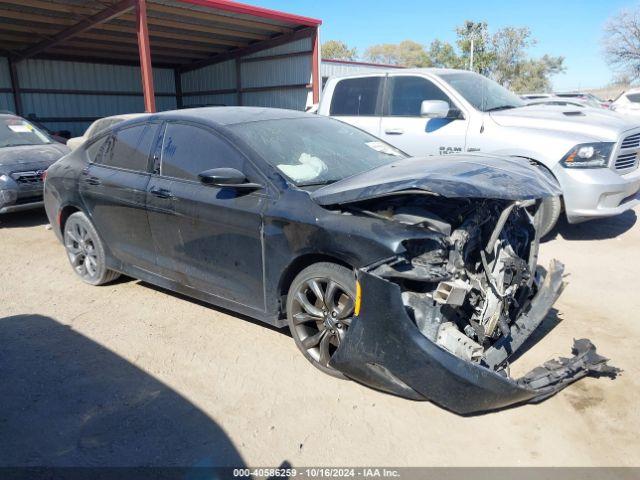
434	109
226	177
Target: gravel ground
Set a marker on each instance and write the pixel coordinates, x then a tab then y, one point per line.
128	374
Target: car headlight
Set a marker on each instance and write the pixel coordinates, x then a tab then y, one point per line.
588	155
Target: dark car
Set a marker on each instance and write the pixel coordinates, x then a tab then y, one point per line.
416	276
25	153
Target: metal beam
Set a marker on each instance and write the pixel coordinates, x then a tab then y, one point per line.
238	82
177	78
15	87
78	28
253	48
146	69
315	66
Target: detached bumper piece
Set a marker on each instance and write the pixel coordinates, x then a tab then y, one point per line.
385	350
554	375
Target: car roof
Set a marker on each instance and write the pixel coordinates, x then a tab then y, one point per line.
230	115
384	71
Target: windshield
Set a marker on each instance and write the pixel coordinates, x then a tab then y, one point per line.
16	132
315	150
484	94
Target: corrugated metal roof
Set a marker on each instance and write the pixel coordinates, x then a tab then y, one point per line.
180	31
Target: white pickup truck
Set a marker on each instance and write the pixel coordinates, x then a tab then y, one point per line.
593	153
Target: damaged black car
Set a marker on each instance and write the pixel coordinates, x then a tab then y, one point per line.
415	276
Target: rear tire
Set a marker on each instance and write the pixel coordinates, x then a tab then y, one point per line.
86	251
320	306
551	209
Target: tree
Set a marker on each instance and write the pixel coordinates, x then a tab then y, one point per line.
483	56
443	55
407	53
622	42
412	54
383	53
337	50
533	75
509	49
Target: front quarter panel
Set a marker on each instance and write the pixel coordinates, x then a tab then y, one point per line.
295	226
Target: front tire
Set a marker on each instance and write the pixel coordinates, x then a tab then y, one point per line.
551	209
86	251
320	307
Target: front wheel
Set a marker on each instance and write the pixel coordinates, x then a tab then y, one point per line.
551	209
85	251
320	306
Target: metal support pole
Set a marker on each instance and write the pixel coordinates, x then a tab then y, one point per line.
146	69
239	80
15	87
177	78
315	65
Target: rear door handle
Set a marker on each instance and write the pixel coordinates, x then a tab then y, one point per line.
161	193
394	131
93	181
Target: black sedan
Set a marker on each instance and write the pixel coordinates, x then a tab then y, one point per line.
416	276
25	154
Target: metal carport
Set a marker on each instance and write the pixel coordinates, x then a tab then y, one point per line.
67	62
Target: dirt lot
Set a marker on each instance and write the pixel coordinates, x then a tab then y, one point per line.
128	374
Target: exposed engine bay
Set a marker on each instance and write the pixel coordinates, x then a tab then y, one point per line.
464	292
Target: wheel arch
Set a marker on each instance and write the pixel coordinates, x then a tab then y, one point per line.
300	263
64	213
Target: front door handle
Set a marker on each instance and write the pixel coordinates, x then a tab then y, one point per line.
394	131
161	193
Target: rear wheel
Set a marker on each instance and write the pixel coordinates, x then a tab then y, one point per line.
551	209
320	306
85	251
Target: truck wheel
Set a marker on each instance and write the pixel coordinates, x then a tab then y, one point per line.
85	251
320	306
551	209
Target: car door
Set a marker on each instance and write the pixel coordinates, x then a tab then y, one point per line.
403	127
207	237
358	101
113	188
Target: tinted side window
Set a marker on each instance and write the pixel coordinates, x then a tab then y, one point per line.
356	96
408	93
129	148
188	150
97	148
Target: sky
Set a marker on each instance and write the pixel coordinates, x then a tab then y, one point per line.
570	28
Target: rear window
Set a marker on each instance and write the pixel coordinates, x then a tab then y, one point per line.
355	97
129	148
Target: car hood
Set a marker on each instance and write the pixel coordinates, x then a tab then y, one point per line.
453	176
30	156
594	122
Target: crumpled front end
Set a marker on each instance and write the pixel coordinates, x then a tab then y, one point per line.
442	324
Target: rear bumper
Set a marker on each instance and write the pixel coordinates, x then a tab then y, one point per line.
596	193
384	349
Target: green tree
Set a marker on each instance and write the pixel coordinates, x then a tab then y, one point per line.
534	75
407	53
338	50
483	56
443	55
412	54
383	53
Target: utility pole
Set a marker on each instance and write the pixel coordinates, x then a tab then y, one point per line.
471	56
